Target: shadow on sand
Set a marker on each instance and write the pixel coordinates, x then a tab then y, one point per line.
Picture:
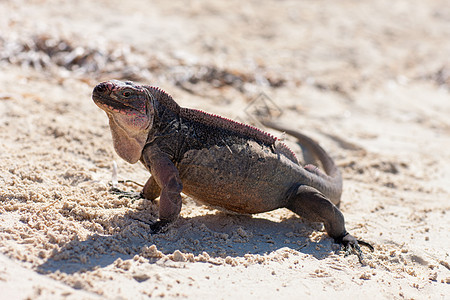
219	234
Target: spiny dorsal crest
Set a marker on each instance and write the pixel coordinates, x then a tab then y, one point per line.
214	120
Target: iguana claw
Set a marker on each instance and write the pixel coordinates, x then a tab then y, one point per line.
122	194
350	245
155	227
159	226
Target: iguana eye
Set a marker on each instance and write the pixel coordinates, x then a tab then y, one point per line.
126	94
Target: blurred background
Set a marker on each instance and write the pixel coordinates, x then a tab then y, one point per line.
342	47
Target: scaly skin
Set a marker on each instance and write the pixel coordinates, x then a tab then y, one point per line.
217	161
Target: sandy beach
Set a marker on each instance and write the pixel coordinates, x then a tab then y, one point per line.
369	80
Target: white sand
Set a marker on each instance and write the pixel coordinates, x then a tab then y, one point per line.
369	80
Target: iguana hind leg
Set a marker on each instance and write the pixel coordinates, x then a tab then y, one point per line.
312	205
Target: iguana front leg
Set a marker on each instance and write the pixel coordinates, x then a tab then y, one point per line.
151	189
167	178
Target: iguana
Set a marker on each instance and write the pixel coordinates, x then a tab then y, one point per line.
218	161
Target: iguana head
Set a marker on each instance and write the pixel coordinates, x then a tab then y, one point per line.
129	108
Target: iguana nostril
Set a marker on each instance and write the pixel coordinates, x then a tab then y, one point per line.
103	87
100	88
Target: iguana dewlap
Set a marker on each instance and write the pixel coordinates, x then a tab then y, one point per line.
217	161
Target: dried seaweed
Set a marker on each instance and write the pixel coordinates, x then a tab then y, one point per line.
56	55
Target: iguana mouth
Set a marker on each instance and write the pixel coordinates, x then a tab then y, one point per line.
111	104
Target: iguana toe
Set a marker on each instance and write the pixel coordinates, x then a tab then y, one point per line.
123	194
159	226
155	227
350	245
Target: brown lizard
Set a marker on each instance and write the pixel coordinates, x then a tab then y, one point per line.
218	161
